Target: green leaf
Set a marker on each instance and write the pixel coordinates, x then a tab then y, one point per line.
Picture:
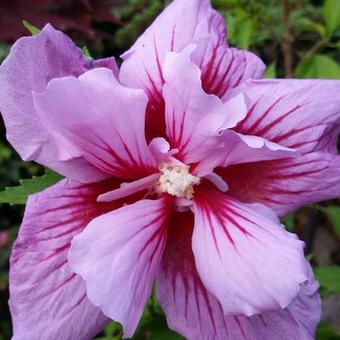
245	28
307	24
289	222
329	278
5	152
331	13
164	334
326	332
18	194
86	52
270	71
32	29
319	66
333	213
155	328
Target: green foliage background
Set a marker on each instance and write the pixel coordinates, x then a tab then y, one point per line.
294	38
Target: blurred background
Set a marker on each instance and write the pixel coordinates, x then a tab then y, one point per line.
294	38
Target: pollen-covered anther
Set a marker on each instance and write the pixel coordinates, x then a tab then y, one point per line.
177	181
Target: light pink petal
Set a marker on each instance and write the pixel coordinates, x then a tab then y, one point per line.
246	260
109	63
222	67
100	120
234	148
127	189
31	64
143	62
195	313
160	149
198	124
47	300
193	118
285	185
299	114
118	255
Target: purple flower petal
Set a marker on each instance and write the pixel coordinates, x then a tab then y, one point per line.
299	114
104	124
143	62
195	313
118	256
48	300
222	67
198	124
127	189
31	64
245	259
285	185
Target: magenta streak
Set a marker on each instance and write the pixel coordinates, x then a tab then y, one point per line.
220	84
150	224
78	303
277	121
236	224
56	251
294	165
303	143
223	317
159	232
262	320
208	70
249	113
217	69
287	192
239	325
79	195
173	125
173	33
66	206
70	232
159	67
173	281
294	175
252	128
55	289
210	312
155	90
186	292
108	149
62	264
213	231
269	199
105	166
244	218
179	138
243	72
159	248
60	224
127	150
197	302
279	138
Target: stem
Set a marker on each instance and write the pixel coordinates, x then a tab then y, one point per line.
287	41
319	44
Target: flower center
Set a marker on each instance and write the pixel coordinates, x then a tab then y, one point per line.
177	181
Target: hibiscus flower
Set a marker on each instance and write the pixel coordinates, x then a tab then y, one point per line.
177	166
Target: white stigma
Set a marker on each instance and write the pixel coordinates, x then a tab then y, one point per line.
177	181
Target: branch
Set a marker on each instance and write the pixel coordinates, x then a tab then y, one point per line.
317	46
287	41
